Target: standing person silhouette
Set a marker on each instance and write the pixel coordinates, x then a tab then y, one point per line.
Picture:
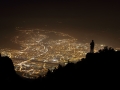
92	44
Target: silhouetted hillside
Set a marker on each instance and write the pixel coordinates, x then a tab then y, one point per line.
96	70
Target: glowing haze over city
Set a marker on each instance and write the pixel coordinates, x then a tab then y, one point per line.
41	50
40	34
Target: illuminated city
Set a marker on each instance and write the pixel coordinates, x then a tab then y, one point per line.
42	50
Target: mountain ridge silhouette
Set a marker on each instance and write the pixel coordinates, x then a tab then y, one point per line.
99	70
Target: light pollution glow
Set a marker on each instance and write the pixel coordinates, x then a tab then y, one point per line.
42	50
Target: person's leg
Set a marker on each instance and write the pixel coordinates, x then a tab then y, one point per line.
92	50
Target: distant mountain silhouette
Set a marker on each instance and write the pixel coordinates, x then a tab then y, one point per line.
96	70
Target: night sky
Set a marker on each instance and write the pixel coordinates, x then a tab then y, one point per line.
85	20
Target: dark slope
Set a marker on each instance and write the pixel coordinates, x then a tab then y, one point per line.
96	70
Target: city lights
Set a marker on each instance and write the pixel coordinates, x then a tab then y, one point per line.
42	50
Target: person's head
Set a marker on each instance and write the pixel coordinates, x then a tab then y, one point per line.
92	40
